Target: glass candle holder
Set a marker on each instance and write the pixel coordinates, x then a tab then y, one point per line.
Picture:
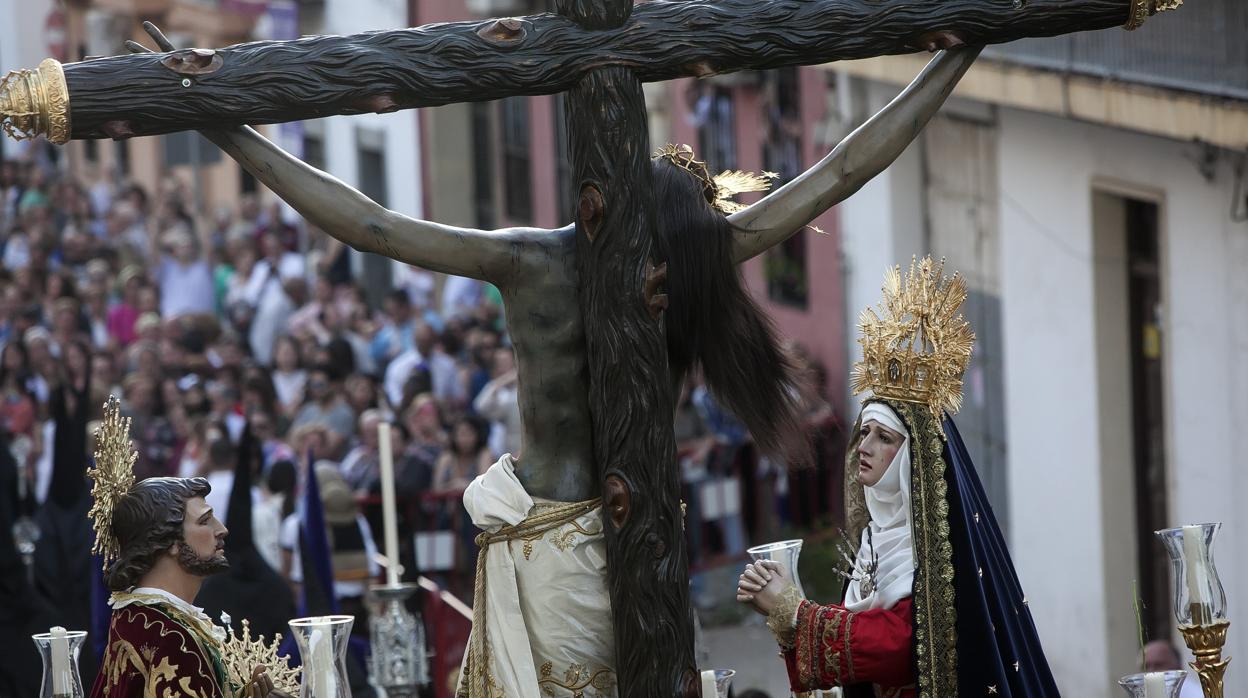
1161	684
1198	595
786	553
59	650
322	644
716	682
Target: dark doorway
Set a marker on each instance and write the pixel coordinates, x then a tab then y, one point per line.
1144	302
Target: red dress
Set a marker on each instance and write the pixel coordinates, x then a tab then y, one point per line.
833	646
151	654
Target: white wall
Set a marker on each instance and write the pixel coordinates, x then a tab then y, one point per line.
23	42
1049	168
881	225
402	144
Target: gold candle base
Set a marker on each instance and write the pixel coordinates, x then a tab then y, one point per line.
1141	10
1206	642
36	103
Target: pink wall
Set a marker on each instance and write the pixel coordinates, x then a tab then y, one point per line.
546	213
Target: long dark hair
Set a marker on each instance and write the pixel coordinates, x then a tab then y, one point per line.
147	521
713	322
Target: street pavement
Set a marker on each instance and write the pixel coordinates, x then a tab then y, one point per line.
749	649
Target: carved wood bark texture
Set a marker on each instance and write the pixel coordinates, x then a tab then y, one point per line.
629	385
268	82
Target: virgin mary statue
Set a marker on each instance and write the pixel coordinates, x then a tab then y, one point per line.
932	606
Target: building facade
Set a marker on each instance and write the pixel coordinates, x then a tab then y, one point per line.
1092	189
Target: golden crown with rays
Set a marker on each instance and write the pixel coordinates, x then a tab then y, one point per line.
917	347
719	189
241	654
113	474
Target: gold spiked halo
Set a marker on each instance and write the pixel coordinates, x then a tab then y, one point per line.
36	103
916	348
241	654
113	474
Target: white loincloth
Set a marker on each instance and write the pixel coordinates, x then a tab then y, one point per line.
547	610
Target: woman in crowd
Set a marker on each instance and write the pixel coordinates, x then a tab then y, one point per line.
289	375
468	456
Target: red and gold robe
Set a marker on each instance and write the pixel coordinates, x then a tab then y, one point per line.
155	651
833	646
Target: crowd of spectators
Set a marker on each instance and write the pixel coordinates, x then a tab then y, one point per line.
204	325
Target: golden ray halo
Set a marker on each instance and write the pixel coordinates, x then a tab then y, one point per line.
113	475
917	347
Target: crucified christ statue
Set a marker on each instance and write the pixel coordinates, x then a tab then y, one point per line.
535	270
698	293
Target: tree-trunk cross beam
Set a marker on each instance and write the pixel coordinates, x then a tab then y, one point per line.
275	81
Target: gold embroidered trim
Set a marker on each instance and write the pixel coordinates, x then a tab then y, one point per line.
832	636
807	620
935	610
548	517
561	540
832	667
202	628
781	619
141	660
576	679
849	647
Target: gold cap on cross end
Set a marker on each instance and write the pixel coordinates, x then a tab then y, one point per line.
1143	9
36	103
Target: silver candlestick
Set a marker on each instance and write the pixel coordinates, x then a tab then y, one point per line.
399	663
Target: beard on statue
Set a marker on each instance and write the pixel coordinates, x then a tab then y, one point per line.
199	565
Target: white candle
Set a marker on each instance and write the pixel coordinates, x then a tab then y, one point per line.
1155	685
1197	575
708	684
60	662
387	504
324	678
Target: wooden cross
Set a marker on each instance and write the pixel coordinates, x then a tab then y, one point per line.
599	52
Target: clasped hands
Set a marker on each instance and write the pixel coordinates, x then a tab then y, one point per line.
261	686
761	585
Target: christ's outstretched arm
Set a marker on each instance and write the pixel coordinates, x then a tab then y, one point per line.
343	212
852	163
348	215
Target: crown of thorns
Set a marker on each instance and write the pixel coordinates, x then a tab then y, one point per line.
720	189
